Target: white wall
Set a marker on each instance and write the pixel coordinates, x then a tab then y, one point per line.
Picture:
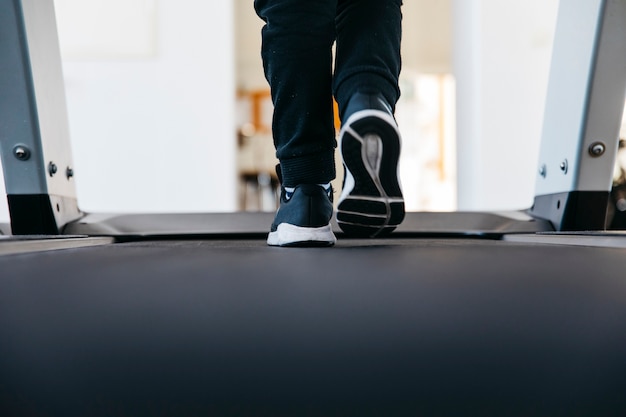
158	134
152	127
501	59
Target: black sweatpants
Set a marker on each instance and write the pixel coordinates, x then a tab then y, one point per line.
297	59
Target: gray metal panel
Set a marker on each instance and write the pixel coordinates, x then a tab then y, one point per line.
585	97
19	123
14	245
49	89
615	240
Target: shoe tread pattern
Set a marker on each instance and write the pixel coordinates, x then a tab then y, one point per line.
367	211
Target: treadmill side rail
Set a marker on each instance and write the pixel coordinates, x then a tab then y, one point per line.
584	106
34	129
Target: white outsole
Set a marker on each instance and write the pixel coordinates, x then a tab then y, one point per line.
290	235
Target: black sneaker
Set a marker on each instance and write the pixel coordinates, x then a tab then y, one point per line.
371	202
303	218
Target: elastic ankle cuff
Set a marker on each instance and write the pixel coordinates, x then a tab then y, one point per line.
308	169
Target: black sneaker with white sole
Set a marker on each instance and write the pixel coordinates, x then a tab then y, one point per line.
303	218
371	202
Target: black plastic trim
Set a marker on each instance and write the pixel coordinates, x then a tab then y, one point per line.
572	211
41	214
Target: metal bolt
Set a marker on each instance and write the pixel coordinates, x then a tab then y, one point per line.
69	172
564	166
21	152
52	169
597	149
543	171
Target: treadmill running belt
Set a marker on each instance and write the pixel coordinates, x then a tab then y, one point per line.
369	327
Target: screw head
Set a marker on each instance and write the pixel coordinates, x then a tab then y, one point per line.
564	166
21	152
543	171
52	169
69	172
597	149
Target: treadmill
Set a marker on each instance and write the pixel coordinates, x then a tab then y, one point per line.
464	313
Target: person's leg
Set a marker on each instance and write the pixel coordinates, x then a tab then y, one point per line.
366	88
368	50
297	60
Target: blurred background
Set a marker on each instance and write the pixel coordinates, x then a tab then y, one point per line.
169	110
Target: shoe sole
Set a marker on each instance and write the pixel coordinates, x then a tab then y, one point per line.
290	235
371	202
